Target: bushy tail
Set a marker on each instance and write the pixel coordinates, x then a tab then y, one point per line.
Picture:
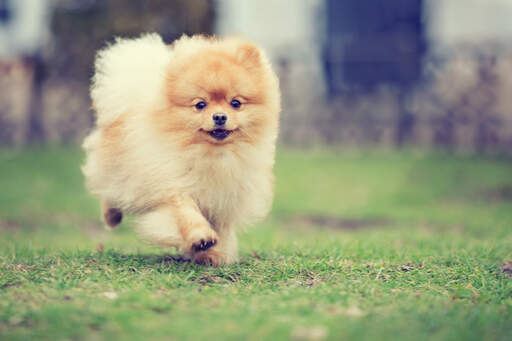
122	70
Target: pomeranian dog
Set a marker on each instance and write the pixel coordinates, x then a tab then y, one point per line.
184	140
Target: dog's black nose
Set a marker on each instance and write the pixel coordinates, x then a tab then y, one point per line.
219	119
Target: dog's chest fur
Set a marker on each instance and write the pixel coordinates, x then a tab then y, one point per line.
229	188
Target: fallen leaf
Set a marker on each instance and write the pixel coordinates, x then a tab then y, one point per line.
110	295
335	310
255	254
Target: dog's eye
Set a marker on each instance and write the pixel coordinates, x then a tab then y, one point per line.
201	105
236	104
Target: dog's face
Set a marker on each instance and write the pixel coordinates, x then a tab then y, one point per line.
219	95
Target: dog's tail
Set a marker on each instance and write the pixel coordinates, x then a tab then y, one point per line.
122	69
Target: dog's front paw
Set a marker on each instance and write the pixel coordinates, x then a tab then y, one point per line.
203	245
201	239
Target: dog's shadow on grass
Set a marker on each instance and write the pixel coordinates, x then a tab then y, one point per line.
140	259
161	261
170	263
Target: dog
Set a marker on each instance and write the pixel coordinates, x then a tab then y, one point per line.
184	139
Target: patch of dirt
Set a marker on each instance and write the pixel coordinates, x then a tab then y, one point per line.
91	227
10	225
255	254
337	223
496	194
507	268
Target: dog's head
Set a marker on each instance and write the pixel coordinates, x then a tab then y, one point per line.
218	92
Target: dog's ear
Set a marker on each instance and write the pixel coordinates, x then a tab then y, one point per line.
249	55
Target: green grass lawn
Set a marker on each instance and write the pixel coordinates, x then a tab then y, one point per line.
368	245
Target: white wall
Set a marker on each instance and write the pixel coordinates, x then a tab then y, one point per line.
472	21
27	30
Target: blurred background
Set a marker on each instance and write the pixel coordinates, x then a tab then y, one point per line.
394	73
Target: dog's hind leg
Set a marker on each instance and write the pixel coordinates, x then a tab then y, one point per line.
111	215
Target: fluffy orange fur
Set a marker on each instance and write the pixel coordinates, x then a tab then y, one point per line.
153	154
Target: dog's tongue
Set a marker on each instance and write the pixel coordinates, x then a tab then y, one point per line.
220	134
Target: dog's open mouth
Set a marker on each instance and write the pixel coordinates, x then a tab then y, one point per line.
220	134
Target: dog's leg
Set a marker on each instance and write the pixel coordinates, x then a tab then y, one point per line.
112	216
178	222
196	231
225	252
159	227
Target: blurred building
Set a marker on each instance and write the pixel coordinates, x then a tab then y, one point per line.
24	31
452	22
24	27
371	43
464	102
373	53
352	72
427	72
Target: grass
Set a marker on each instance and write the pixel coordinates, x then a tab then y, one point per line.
368	245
